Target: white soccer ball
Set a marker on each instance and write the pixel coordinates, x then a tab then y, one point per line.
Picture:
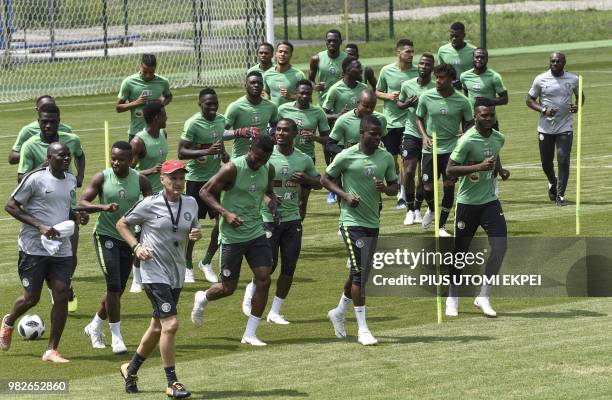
31	327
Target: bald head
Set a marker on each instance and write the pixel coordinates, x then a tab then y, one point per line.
55	148
58	156
366	103
367	95
557	63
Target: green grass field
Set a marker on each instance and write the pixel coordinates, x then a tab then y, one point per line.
539	348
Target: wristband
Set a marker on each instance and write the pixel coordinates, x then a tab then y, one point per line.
135	247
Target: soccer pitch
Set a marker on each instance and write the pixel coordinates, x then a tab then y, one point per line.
538	348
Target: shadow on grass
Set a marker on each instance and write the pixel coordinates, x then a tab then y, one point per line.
228	394
434	339
326	320
304	340
207	346
553	314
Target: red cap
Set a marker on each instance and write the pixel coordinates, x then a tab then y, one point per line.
170	166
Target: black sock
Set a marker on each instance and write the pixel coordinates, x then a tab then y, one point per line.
429	199
418	199
170	375
443	216
135	364
447	204
410	201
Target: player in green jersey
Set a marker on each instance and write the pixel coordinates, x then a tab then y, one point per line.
265	52
482	81
250	110
326	66
140	89
363	170
457	53
412	144
244	181
446	113
32	129
343	95
280	81
292	170
368	75
118	188
310	120
473	161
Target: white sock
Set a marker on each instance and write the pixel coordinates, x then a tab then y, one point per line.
252	325
360	314
205	298
115	328
402	194
276	305
251	288
96	322
343	304
136	275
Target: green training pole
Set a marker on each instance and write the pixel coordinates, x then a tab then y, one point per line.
436	221
579	151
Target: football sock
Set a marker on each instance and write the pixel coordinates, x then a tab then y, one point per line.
135	363
251	326
207	258
276	304
343	304
402	193
360	315
484	290
410	203
136	275
96	322
115	328
418	198
170	375
447	204
189	264
429	199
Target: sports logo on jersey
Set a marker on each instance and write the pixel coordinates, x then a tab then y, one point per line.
268	234
475	177
166	307
333	70
443	110
187	216
227	273
25	282
253	187
359	243
122	193
256	118
353	102
541	137
460	225
161	152
146	93
214	135
369	171
299	122
488	152
109	244
425	177
285	170
476	86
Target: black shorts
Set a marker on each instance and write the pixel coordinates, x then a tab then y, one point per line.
489	216
34	270
393	140
412	147
193	190
257	252
163	299
115	258
285	237
427	167
360	245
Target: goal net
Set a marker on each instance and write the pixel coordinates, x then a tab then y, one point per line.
84	47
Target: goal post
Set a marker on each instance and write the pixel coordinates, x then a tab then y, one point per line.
85	47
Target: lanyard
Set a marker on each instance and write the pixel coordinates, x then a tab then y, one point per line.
178	216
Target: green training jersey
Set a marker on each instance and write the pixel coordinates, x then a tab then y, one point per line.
123	191
460	59
488	84
472	148
313	119
357	172
202	133
287	190
274	81
341	96
390	80
132	87
330	72
346	128
244	199
444	117
157	151
33	129
257	67
243	114
34	151
408	89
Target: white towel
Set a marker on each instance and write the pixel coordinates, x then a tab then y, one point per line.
65	229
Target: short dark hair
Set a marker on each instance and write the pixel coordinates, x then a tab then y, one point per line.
149	60
482	49
347	61
446	69
122	145
352	46
152	110
404	42
483	102
291	122
265	143
286	43
44	96
369	120
428	54
457	26
269	45
206	91
254	73
303	82
50	108
335	32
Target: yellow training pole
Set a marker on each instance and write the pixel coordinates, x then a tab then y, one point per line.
436	221
579	151
106	145
346	21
